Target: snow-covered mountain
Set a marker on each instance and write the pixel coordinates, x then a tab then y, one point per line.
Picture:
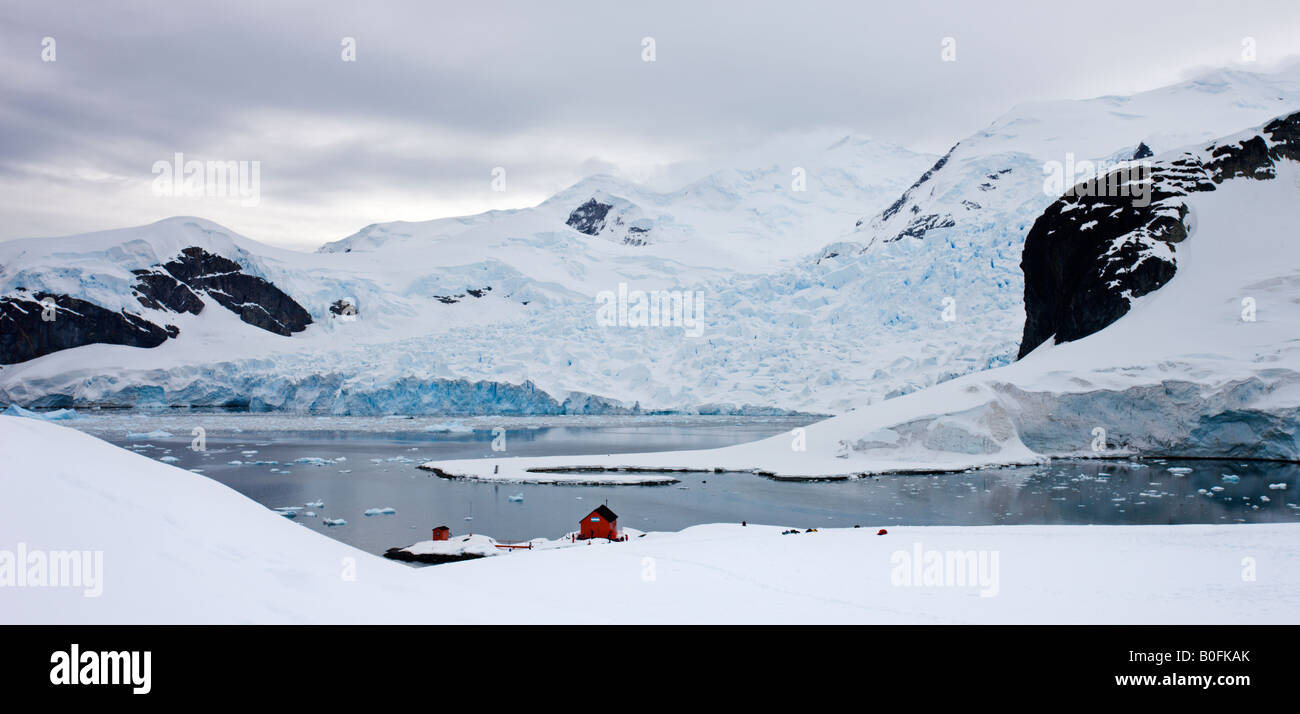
463	314
1189	348
496	313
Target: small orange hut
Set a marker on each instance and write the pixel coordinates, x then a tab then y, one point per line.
442	533
600	523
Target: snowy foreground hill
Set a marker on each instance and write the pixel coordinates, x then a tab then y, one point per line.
176	547
1202	359
497	313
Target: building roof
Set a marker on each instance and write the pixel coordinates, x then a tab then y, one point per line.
441	528
604	512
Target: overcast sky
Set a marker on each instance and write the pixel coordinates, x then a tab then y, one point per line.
443	92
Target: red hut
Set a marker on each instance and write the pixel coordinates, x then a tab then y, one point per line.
600	523
442	533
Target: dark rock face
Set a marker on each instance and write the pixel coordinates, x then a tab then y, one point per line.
172	287
589	218
255	300
25	333
157	290
1142	152
1092	251
473	292
921	223
343	307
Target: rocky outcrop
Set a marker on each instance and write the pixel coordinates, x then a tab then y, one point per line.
45	323
1104	243
589	218
256	301
32	328
920	224
158	290
613	218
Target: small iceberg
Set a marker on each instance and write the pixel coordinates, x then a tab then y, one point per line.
335	522
1277	486
54	415
168	459
1179	470
142	435
385	511
517	498
315	504
1231	478
313	461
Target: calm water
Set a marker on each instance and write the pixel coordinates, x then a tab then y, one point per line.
371	463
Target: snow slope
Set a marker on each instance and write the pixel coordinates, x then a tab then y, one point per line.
1188	371
180	548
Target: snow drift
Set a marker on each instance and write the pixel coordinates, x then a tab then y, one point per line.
179	548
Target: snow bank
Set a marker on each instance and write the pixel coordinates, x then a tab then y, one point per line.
234	561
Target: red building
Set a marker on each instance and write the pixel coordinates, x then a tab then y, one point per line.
600	523
442	533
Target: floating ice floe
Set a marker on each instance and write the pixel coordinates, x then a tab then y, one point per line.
318	461
168	459
517	498
1231	478
385	511
1277	486
141	435
315	504
335	522
1179	470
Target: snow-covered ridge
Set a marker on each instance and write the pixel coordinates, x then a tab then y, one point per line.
1114	238
997	174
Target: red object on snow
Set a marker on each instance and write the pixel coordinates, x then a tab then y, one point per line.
600	523
441	533
882	531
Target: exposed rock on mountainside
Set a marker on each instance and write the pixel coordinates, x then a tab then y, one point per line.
613	218
45	323
33	327
255	300
1089	255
